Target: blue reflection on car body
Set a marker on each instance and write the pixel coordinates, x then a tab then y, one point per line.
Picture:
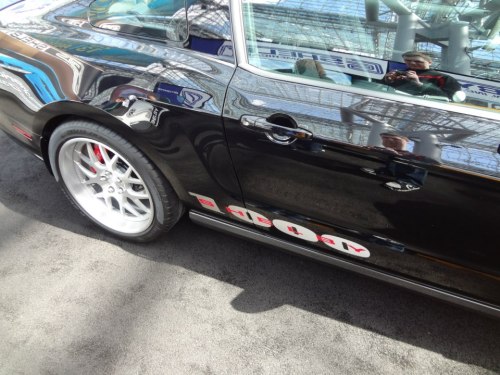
41	82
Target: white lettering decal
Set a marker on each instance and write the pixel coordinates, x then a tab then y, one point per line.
249	216
240	213
346	246
32	42
291	229
206	202
295	230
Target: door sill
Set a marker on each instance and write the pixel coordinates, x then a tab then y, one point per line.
240	231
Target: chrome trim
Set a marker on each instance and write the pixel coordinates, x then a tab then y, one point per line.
254	235
207	56
239	44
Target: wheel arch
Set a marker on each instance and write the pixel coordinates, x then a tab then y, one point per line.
53	115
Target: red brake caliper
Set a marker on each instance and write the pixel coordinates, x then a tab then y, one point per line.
98	154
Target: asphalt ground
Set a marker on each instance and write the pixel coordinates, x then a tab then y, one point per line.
74	300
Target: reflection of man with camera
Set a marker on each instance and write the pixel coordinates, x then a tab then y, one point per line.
419	79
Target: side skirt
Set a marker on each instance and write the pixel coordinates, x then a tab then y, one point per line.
254	235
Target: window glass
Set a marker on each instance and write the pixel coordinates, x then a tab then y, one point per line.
209	28
446	50
163	19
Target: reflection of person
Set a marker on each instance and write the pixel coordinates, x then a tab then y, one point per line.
394	142
310	68
313	68
136	112
126	91
128	103
118	105
419	79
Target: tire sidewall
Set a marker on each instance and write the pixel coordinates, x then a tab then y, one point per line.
133	155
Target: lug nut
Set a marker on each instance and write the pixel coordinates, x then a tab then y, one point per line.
111	190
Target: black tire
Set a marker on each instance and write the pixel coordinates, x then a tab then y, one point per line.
112	182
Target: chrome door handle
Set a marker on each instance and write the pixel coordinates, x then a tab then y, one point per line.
280	132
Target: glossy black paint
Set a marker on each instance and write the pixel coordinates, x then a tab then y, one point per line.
89	68
323	184
184	108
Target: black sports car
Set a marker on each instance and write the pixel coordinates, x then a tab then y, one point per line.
364	134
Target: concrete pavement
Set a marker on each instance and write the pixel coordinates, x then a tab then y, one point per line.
74	300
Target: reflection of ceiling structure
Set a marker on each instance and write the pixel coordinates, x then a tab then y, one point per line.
467	131
321	27
343	25
210	20
465	140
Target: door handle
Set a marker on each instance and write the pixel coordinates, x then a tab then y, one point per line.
277	133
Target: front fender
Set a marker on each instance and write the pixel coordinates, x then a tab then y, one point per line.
55	114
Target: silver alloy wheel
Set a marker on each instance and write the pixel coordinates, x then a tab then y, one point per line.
106	186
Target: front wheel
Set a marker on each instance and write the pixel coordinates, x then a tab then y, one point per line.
111	181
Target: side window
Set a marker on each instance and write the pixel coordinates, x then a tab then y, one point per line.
161	19
445	50
209	28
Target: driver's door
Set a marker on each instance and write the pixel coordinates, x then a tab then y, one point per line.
336	160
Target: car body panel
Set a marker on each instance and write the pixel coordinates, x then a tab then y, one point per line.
336	183
87	70
334	194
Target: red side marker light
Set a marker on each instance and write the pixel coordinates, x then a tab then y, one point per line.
24	133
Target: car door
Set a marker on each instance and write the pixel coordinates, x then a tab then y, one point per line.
329	155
